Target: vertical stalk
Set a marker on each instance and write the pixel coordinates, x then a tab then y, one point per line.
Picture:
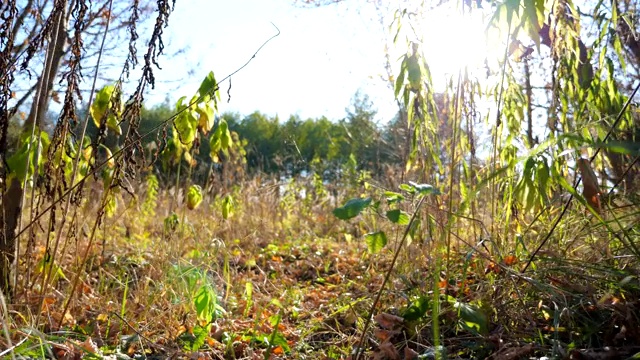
527	79
496	131
184	209
452	168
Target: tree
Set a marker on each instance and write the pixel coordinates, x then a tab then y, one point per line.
363	133
32	28
265	151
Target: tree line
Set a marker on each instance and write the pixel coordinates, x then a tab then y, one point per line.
288	147
276	146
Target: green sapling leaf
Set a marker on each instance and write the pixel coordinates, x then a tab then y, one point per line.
352	208
398	217
376	241
194	196
424	189
473	319
207	86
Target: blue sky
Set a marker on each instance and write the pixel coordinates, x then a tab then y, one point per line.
321	58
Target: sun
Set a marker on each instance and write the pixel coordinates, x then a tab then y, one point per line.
459	41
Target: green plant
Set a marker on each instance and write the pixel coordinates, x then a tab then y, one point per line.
31	151
171	223
194	285
377	240
151	196
228	206
194	196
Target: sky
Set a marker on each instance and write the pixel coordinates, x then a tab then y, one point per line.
321	58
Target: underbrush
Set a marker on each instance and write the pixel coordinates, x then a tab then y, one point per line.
266	269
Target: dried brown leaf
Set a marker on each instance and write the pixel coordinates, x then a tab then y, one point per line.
590	187
410	354
388	321
389	350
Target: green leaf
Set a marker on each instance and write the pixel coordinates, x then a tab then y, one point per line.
472	318
225	136
199	336
194	196
208	86
111	163
417	309
274	319
172	151
414	72
17	164
407	188
215	145
375	241
171	222
424	189
101	104
400	79
179	104
248	297
393	197
415	226
186	125
398	217
352	208
30	150
621	147
464	191
278	339
205	303
227	206
532	21
206	118
543	175
113	124
111	206
220	140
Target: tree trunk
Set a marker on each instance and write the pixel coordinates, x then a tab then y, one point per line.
55	52
8	222
12	198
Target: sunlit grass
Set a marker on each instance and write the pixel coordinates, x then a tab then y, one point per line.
284	256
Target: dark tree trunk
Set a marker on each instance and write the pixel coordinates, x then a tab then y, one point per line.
8	222
11	199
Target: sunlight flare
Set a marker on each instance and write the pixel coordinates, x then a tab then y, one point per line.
457	40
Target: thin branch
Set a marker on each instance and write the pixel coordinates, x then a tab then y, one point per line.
387	276
150	132
568	202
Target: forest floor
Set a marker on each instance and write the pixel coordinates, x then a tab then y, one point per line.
282	277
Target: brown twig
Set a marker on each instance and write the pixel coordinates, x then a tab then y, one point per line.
150	132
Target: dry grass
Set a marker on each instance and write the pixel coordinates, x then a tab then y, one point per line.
283	254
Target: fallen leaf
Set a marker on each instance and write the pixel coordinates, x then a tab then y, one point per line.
492	267
89	346
388	321
278	350
382	335
410	354
389	350
510	260
442	284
